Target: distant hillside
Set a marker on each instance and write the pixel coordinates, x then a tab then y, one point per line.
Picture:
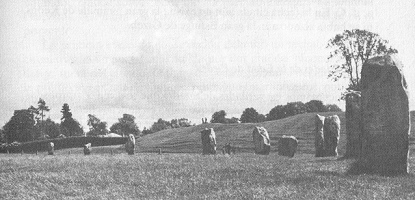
187	140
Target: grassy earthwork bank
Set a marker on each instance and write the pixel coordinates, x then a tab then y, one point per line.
182	173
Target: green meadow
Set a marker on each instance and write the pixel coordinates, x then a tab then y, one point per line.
181	172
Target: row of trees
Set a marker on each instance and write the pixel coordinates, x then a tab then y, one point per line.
250	115
29	124
161	124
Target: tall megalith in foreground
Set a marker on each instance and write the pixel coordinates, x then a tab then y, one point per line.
130	144
261	140
287	146
385	113
331	135
319	136
208	141
353	125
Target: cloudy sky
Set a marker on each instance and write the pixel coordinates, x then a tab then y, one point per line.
174	59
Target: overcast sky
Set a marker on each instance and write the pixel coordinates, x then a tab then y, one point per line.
174	59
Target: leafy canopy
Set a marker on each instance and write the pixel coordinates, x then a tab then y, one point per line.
352	48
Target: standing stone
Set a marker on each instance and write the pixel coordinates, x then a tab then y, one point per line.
331	135
227	148
87	149
130	144
51	148
208	141
319	136
287	146
262	143
385	112
353	125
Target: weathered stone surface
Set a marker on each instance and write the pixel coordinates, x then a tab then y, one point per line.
261	140
353	125
385	112
287	146
319	136
51	148
331	135
208	141
130	144
87	149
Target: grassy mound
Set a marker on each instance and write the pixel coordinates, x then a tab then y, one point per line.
187	140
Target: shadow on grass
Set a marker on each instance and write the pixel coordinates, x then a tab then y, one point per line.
356	168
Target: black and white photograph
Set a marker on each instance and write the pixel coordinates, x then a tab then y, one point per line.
207	99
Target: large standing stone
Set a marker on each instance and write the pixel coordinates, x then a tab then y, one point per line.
385	112
331	135
130	144
319	136
208	141
51	148
287	146
353	125
262	143
87	149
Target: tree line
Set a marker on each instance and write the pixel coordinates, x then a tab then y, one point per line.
250	115
30	124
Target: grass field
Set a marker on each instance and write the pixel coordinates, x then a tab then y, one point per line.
191	176
109	173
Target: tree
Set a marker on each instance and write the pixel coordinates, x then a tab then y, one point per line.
160	125
275	113
41	109
125	126
219	117
249	115
233	120
69	126
294	108
315	106
261	118
21	126
350	50
333	108
183	122
51	129
96	126
146	131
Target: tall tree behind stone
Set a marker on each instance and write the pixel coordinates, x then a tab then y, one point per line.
70	127
21	126
42	108
96	126
352	48
219	117
249	115
386	122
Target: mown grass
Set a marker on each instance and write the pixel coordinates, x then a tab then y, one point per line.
191	176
